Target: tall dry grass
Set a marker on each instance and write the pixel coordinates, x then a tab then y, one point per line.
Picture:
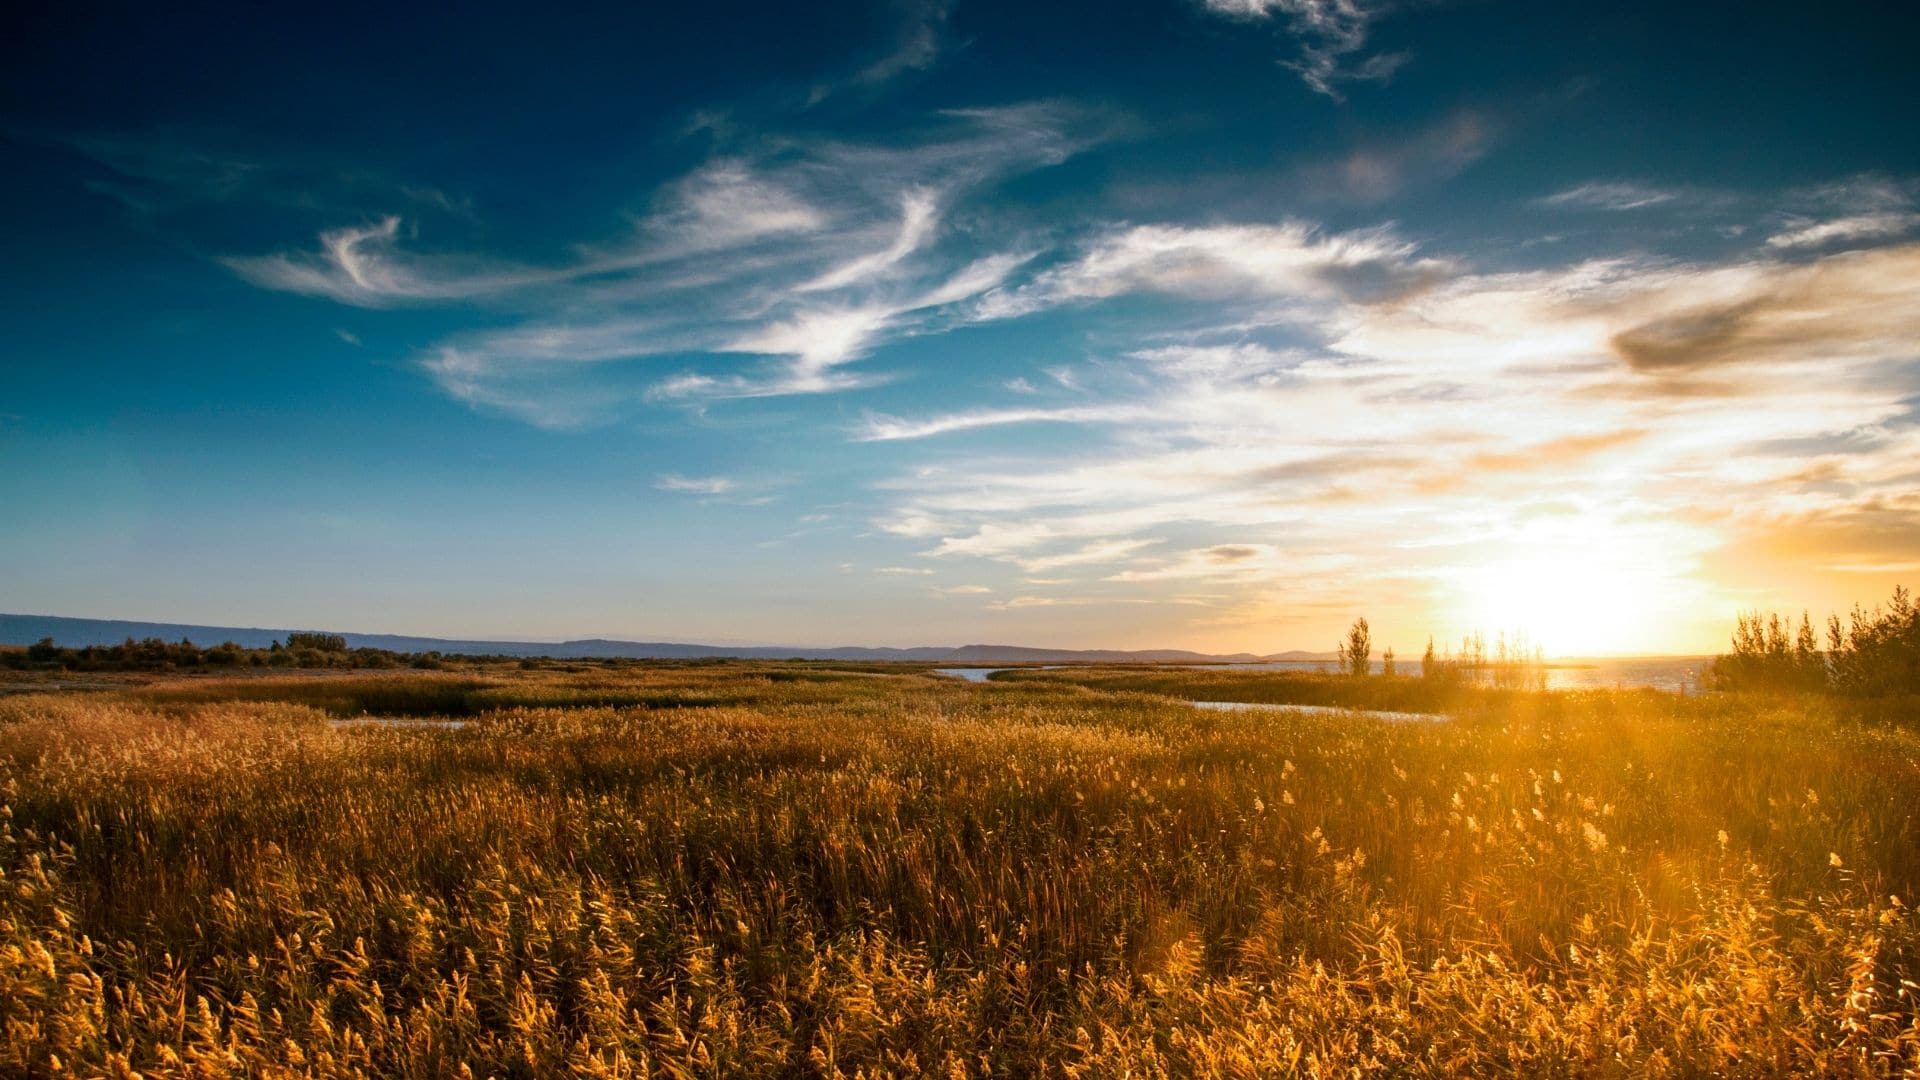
792	873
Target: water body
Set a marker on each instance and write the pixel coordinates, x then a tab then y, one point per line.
1320	710
979	674
397	722
1673	674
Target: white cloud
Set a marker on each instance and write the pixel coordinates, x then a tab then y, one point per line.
1289	260
363	265
1631	395
1101	551
693	485
919	214
726	203
992	539
1329	31
878	428
914	524
746	255
979	276
818	342
1863	194
1878	226
1609	195
1019	602
1219	561
1742	320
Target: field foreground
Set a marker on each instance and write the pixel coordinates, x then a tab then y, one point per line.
732	869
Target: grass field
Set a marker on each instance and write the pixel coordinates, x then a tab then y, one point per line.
797	870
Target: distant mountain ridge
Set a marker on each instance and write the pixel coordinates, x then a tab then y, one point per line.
78	633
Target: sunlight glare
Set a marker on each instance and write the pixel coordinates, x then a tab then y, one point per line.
1570	603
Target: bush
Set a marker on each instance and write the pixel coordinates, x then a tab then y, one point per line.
226	654
1874	654
1878	653
1767	656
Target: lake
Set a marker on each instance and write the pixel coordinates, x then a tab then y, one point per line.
1674	674
1319	710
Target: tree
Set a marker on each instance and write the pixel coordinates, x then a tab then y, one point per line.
1356	653
1878	654
1767	654
1386	663
225	654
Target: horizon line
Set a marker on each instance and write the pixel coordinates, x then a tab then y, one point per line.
491	639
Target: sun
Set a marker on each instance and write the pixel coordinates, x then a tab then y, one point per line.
1577	602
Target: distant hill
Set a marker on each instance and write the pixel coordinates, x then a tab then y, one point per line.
78	633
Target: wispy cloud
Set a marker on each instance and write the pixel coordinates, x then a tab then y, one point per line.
917	41
1625	388
724	204
1381	167
1856	211
694	485
919	216
1216	562
1019	602
1096	553
1846	230
1330	34
1289	260
363	265
803	253
879	428
1614	195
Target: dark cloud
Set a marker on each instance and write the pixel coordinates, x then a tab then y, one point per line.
1380	168
1693	339
1875	532
1857	305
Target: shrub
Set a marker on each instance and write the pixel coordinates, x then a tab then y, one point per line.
1356	652
1767	656
1877	654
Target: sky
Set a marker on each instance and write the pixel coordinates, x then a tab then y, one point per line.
1172	323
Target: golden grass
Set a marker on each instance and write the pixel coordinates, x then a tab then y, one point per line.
705	870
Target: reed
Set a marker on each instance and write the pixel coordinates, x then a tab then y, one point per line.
696	870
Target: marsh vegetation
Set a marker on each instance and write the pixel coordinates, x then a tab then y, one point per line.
803	869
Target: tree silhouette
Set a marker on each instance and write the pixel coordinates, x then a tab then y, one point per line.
1356	653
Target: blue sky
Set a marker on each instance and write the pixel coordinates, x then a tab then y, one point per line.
1207	324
